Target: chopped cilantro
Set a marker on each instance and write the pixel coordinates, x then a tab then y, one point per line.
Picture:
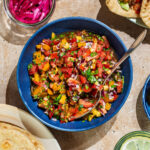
93	54
92	101
47	84
74	98
101	106
88	72
40	100
113	86
56	100
43	79
72	53
100	38
35	97
60	73
90	33
106	49
106	69
62	35
30	66
86	87
80	107
92	79
34	61
62	54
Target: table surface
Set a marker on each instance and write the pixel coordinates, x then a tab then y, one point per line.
131	117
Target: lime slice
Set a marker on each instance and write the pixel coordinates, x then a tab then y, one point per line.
136	143
137	140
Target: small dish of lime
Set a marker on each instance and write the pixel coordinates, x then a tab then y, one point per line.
137	140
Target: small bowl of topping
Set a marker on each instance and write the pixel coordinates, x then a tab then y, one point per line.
146	97
29	13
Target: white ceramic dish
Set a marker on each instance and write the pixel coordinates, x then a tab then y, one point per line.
22	119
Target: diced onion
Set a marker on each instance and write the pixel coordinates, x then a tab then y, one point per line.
30	11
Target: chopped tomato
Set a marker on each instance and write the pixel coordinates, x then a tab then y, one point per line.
106	42
99	48
82	79
115	96
38	83
47	53
67	70
119	86
86	53
47	41
73	110
56	42
85	103
54	55
108	57
33	70
87	88
73	40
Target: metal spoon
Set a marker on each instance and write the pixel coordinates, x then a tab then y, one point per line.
135	44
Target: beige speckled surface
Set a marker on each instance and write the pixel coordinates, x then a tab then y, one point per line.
130	118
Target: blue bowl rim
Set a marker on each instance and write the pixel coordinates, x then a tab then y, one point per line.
75	18
144	96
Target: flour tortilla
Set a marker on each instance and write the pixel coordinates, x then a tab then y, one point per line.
145	12
15	138
115	7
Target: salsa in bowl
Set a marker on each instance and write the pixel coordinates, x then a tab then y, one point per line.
59	27
67	72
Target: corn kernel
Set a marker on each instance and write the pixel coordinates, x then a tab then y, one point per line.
107	106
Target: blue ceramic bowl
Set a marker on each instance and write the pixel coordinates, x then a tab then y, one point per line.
59	26
145	94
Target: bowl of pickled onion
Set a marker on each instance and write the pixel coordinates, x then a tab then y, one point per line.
29	13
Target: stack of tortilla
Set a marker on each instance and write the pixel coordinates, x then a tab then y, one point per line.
15	138
116	7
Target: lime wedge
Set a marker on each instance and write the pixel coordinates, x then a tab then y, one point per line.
136	143
137	140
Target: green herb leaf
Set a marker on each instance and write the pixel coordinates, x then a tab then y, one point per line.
92	79
86	87
62	54
113	86
30	66
93	54
80	107
88	72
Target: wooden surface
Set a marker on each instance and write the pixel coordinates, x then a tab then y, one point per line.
131	117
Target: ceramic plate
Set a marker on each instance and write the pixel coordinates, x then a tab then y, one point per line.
138	21
18	117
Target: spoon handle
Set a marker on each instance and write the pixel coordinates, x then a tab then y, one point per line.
136	43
